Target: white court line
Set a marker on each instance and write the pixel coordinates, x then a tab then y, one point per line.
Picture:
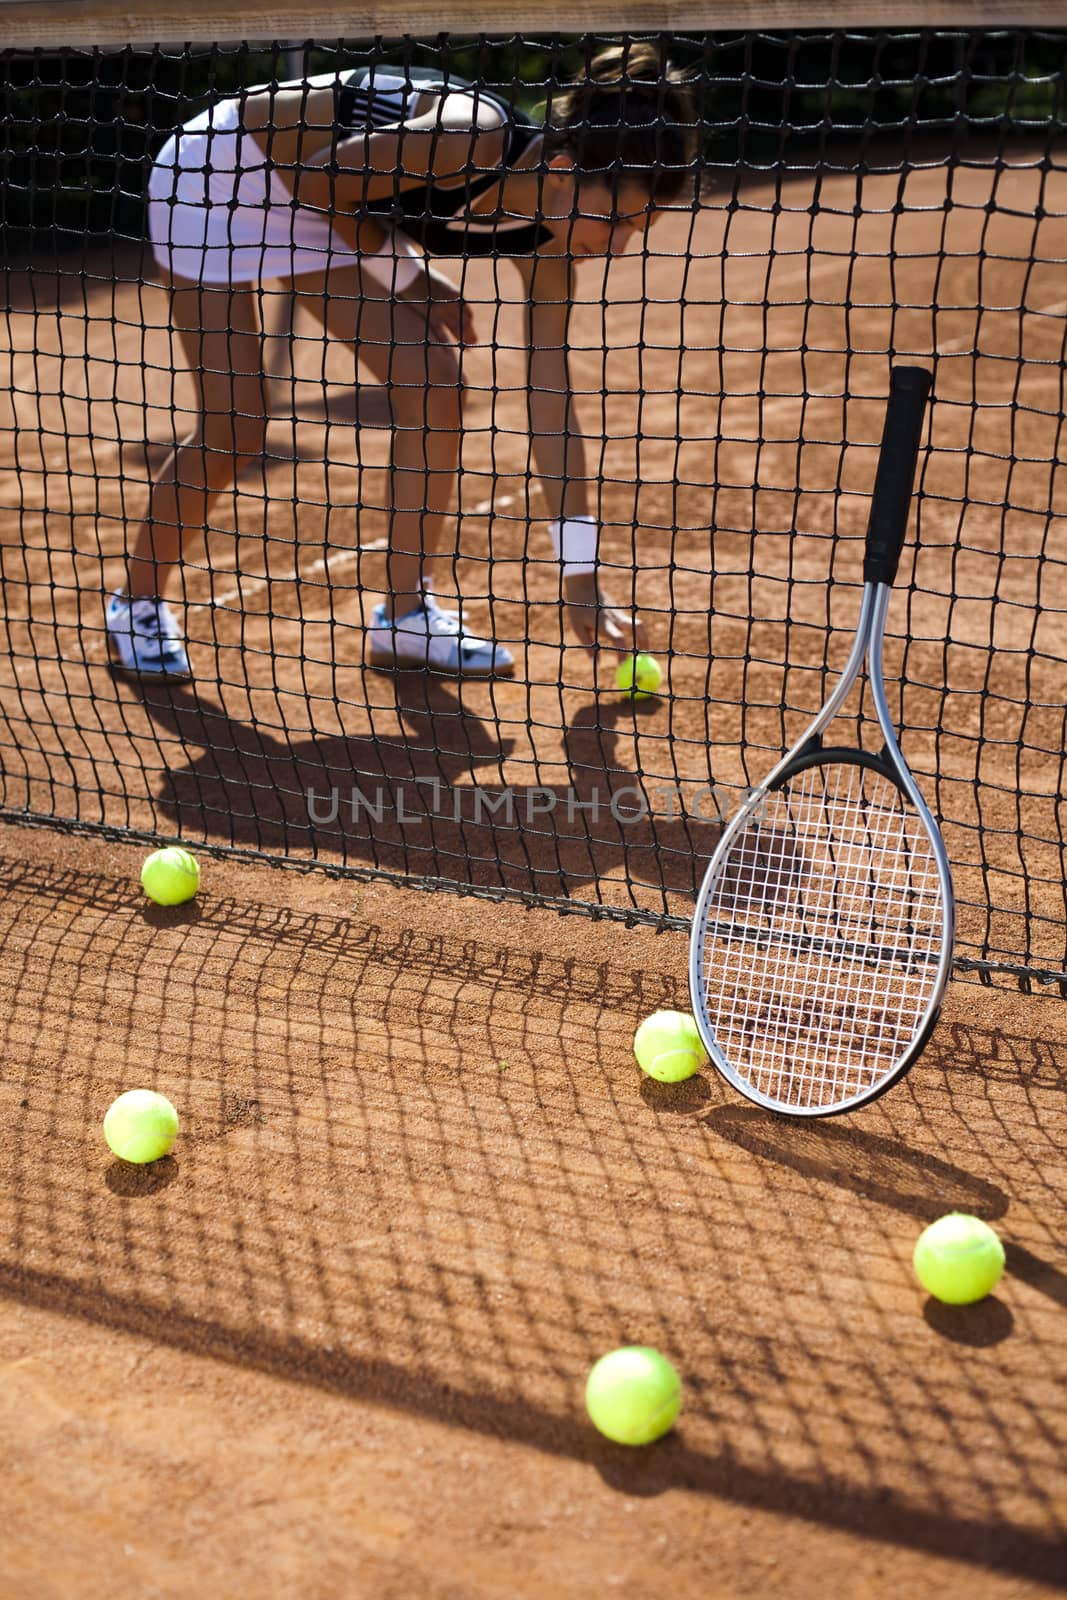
340	558
249	586
957	346
948	348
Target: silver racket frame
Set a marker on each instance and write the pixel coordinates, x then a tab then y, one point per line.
868	645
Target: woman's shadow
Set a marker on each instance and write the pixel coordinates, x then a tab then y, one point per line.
429	800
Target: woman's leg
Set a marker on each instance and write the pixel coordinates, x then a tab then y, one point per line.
423	381
222	344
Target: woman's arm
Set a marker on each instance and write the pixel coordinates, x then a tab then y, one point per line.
444	145
555	434
559	447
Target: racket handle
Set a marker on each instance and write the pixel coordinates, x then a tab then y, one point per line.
894	481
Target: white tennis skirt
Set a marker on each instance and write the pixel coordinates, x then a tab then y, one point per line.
217	214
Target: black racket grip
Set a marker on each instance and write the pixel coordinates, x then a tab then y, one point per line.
909	388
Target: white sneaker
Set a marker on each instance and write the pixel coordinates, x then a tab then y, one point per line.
429	638
431	602
144	640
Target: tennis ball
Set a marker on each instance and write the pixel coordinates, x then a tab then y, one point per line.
140	1126
633	1395
638	676
668	1046
171	876
958	1259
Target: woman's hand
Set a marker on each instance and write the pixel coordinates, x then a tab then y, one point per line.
596	623
442	304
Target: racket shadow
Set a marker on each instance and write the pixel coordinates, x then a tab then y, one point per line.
1037	1274
891	1174
866	1164
913	1182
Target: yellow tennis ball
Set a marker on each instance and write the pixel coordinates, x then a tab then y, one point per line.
958	1259
140	1126
633	1395
668	1046
638	676
170	876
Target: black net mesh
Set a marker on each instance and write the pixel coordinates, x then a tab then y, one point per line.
673	314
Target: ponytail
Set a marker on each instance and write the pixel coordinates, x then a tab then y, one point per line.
628	113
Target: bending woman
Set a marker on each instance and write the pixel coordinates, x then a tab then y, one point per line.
346	187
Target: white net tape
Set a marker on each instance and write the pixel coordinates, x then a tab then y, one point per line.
822	938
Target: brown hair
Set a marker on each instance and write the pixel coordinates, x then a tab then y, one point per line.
628	112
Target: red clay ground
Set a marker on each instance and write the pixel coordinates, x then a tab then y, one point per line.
336	1344
717	352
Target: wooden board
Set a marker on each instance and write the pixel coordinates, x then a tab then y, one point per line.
52	23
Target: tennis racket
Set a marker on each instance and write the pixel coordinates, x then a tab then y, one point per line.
822	940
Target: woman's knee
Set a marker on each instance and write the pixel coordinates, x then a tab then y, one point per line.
220	449
428	389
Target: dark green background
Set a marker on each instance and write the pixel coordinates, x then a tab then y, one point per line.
78	131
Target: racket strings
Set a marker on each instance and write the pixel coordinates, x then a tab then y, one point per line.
822	937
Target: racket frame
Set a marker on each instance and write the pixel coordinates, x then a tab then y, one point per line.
867	648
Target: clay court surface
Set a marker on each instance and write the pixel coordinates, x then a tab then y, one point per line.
337	1343
734	340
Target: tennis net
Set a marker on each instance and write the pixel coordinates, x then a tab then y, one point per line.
801	207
